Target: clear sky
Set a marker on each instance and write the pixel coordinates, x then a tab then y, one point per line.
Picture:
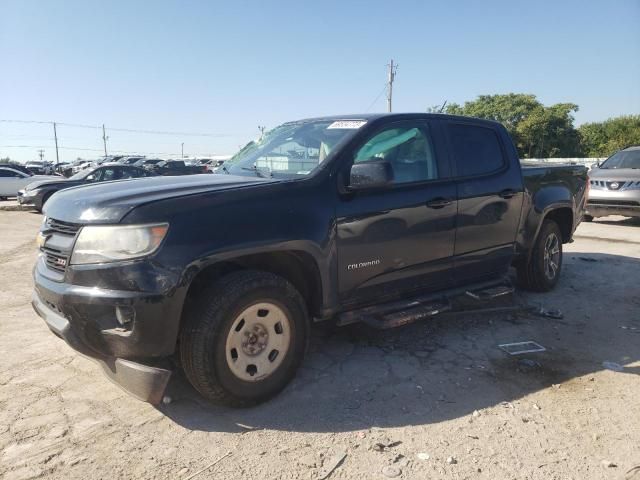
223	68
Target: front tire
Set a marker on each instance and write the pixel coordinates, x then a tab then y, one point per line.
542	272
44	200
244	338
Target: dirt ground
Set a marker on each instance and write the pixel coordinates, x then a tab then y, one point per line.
433	400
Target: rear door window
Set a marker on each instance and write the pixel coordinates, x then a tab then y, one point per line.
476	149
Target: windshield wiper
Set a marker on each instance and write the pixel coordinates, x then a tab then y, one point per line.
259	172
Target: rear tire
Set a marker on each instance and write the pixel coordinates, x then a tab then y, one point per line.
244	338
587	218
542	272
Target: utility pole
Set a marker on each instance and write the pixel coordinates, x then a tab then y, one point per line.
55	136
392	77
41	154
104	140
182	150
262	128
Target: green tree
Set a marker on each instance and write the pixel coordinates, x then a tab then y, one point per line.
537	131
601	139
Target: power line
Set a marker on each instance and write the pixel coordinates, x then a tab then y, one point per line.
129	130
85	149
377	98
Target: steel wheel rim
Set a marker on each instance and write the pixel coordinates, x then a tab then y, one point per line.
258	341
551	256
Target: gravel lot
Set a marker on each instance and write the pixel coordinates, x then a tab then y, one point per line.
433	400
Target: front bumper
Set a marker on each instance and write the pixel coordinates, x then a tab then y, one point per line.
599	210
24	198
625	202
145	382
134	354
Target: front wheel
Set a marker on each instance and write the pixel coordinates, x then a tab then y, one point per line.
244	339
46	197
542	271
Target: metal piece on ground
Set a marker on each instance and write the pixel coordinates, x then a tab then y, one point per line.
208	466
518	348
331	464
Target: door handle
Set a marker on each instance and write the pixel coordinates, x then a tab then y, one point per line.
508	193
439	202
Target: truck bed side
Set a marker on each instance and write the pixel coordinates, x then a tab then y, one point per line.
551	191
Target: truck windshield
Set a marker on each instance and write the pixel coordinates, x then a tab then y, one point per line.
291	150
623	159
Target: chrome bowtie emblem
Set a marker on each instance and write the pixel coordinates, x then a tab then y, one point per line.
614	186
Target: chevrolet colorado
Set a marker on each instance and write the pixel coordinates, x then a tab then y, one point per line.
352	218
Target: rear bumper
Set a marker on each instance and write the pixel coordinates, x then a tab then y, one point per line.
145	382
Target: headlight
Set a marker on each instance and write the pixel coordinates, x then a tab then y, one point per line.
102	244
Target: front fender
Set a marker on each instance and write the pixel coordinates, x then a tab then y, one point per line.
325	260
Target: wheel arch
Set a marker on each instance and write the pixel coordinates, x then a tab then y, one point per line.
297	266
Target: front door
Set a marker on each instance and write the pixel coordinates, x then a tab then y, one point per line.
398	239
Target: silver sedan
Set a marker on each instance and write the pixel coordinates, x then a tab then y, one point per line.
12	180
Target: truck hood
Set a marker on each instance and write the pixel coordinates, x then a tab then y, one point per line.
615	174
109	202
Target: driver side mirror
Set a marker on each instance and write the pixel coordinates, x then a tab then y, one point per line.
370	174
595	165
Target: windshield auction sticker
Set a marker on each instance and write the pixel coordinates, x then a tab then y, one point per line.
347	124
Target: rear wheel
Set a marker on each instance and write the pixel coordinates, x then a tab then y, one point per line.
244	339
542	272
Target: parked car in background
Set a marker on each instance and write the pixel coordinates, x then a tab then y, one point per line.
37	193
61	168
148	163
377	218
178	167
81	165
39	168
132	160
210	164
615	185
12	180
17	166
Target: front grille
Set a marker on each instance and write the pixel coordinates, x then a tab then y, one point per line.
65	228
621	184
55	260
627	203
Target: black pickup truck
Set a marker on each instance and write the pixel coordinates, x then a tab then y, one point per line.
372	218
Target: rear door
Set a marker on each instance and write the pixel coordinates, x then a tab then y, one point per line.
395	240
490	195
